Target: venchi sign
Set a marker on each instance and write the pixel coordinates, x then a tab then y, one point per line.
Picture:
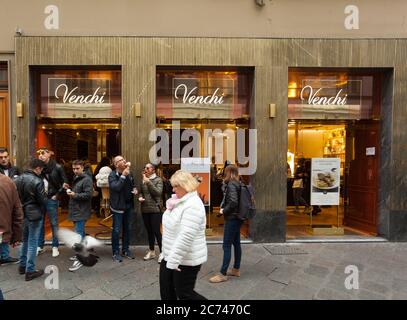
71	96
315	99
190	97
79	91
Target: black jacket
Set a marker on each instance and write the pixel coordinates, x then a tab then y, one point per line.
230	202
32	195
120	190
80	204
12	171
56	177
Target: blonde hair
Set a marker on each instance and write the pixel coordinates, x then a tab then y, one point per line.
185	180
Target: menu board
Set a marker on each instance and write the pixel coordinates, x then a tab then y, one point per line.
200	168
325	181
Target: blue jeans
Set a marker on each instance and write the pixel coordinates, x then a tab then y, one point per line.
28	250
4	250
80	227
121	222
231	236
52	211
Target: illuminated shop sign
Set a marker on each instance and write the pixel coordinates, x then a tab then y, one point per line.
190	98
78	91
203	97
315	97
79	97
321	98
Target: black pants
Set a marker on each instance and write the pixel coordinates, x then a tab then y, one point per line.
179	284
152	222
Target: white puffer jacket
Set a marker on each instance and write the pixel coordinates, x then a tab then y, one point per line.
184	241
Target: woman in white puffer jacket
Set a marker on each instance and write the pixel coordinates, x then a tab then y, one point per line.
184	246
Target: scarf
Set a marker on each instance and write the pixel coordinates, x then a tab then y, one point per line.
172	202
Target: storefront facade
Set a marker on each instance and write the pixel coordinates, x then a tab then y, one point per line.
269	60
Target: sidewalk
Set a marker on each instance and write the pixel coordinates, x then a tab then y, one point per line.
269	271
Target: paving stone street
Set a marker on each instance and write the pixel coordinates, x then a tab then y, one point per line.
268	272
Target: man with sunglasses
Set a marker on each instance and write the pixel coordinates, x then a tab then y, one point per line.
55	182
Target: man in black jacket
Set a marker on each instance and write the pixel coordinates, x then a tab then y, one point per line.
80	203
34	201
121	188
6	167
55	182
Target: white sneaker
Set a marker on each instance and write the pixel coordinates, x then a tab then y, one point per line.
73	258
160	257
55	252
40	250
150	255
75	266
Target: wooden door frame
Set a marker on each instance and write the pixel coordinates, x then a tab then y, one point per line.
5	125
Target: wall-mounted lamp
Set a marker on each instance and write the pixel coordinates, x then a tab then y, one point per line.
272	110
137	109
19	110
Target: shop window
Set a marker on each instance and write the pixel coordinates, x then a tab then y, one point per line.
3	76
337	93
203	92
77	93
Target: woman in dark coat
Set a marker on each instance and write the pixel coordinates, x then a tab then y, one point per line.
231	235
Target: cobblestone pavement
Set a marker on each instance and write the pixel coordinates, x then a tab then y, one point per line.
268	271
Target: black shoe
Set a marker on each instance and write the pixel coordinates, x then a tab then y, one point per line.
21	270
9	260
32	275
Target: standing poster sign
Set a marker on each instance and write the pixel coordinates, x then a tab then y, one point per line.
200	168
325	181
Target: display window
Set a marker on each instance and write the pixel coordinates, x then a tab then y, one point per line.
333	151
76	114
204	107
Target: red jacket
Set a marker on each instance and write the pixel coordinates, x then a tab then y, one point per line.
11	213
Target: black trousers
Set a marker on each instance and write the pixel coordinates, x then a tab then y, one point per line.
179	284
152	222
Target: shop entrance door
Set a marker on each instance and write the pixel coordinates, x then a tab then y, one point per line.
90	141
362	175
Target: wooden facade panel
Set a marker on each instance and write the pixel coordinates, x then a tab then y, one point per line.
138	58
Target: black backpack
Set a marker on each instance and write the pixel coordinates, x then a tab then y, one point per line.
247	207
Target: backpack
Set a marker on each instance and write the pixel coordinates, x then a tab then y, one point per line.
247	207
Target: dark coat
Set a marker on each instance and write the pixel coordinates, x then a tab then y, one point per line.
120	189
11	212
81	203
56	177
32	195
230	202
152	192
13	171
